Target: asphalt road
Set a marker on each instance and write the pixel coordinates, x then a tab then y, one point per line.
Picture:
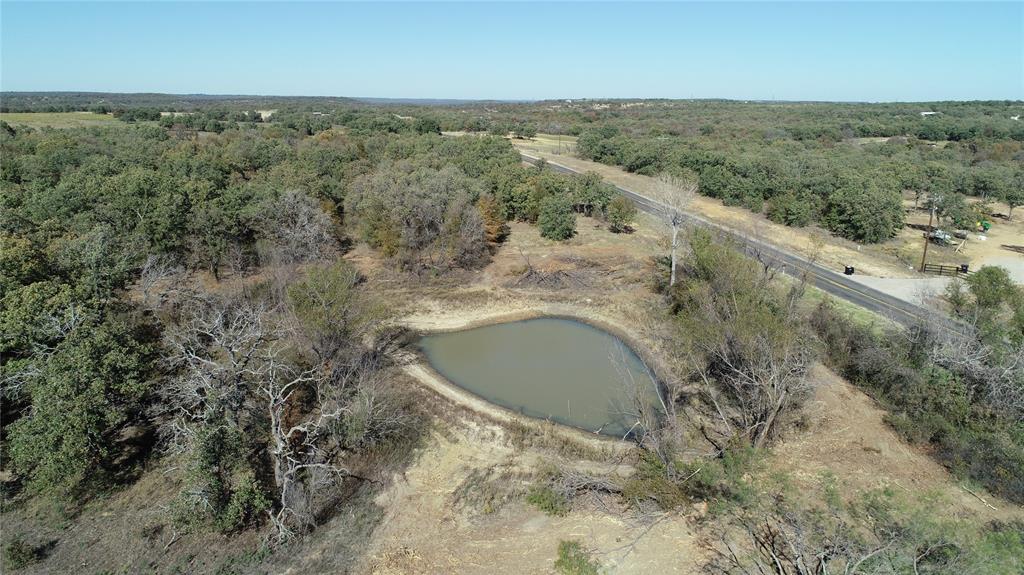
832	282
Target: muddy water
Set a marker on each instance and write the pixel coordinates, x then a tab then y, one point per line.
548	368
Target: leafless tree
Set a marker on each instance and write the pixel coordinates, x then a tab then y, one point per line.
237	364
297	230
675	193
785	545
303	449
760	380
820	542
752	362
1005	389
644	403
231	370
218	352
471	249
347	404
998	374
157	279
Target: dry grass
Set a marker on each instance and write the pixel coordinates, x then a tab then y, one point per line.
551	143
59	119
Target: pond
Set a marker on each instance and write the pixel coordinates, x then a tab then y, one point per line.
550	368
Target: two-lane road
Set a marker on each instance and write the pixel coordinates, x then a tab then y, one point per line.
829	281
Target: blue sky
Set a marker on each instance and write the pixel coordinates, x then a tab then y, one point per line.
801	51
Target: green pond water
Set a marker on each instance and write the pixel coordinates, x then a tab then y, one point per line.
549	368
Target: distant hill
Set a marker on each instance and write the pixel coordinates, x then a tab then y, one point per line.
434	101
74	101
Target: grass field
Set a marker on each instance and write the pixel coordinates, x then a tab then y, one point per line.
59	119
554	144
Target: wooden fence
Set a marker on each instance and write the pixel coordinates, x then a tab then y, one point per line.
943	270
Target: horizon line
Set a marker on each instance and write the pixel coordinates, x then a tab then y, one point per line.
506	100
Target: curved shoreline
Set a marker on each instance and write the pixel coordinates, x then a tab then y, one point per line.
423	372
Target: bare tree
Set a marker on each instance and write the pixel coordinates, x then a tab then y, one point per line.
996	373
675	193
1006	386
788	545
303	449
218	351
644	404
750	353
347	405
232	372
297	230
818	542
761	379
157	279
239	366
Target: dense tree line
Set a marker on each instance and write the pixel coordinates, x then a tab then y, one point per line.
854	191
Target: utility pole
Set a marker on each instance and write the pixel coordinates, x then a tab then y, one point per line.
924	256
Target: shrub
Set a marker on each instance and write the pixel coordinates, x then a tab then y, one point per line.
993	458
248	501
723	480
654	481
556	219
221	491
791	210
18	553
620	213
545	498
573	559
992	286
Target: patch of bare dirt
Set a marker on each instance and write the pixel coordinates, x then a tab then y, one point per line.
426	530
